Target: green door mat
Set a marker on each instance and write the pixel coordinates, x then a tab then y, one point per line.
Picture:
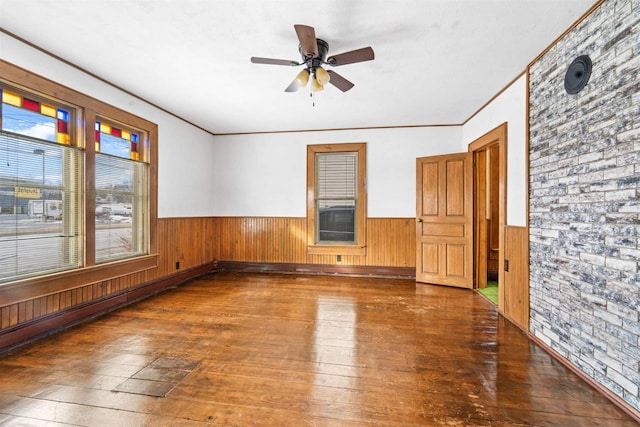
491	292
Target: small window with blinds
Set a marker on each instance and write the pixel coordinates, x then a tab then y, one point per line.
337	199
121	196
337	190
40	197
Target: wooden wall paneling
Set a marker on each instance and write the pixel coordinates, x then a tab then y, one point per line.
183	240
516	280
390	242
4	317
22	311
208	252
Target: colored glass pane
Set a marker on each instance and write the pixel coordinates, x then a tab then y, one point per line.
48	110
11	98
31	105
32	118
63	126
63	115
63	138
116	141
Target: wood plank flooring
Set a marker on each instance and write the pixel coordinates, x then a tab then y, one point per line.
288	350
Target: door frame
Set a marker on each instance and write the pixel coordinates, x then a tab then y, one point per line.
497	136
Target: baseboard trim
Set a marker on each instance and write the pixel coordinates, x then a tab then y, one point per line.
612	397
322	269
25	333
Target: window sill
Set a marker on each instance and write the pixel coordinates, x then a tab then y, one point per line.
336	250
15	292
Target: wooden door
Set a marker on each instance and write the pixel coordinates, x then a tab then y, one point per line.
444	220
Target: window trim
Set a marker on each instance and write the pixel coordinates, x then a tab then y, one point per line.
88	109
359	248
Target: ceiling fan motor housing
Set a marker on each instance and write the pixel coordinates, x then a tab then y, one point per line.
313	63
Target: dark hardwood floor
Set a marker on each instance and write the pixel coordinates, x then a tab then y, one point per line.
289	350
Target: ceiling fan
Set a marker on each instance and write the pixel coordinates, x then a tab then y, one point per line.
314	55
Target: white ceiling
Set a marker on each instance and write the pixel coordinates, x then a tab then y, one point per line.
437	61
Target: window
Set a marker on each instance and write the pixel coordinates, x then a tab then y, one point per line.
336	204
121	199
40	213
78	193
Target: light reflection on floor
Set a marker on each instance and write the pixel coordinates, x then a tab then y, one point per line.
335	352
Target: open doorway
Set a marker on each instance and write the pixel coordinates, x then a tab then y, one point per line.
486	224
489	213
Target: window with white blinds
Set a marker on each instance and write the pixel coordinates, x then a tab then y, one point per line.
336	196
336	201
120	208
40	211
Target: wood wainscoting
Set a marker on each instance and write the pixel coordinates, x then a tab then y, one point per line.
390	242
189	247
516	278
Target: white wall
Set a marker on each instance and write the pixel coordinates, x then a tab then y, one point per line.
509	107
265	174
185	175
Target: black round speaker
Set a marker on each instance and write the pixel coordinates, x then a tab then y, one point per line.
578	74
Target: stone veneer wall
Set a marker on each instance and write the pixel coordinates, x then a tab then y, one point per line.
584	200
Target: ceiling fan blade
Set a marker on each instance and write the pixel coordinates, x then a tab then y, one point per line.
271	61
307	37
358	55
340	82
293	87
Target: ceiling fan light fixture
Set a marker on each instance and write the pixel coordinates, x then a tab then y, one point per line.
322	76
316	86
313	54
302	78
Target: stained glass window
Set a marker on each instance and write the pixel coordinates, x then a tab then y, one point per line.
116	141
121	199
40	199
51	181
34	118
